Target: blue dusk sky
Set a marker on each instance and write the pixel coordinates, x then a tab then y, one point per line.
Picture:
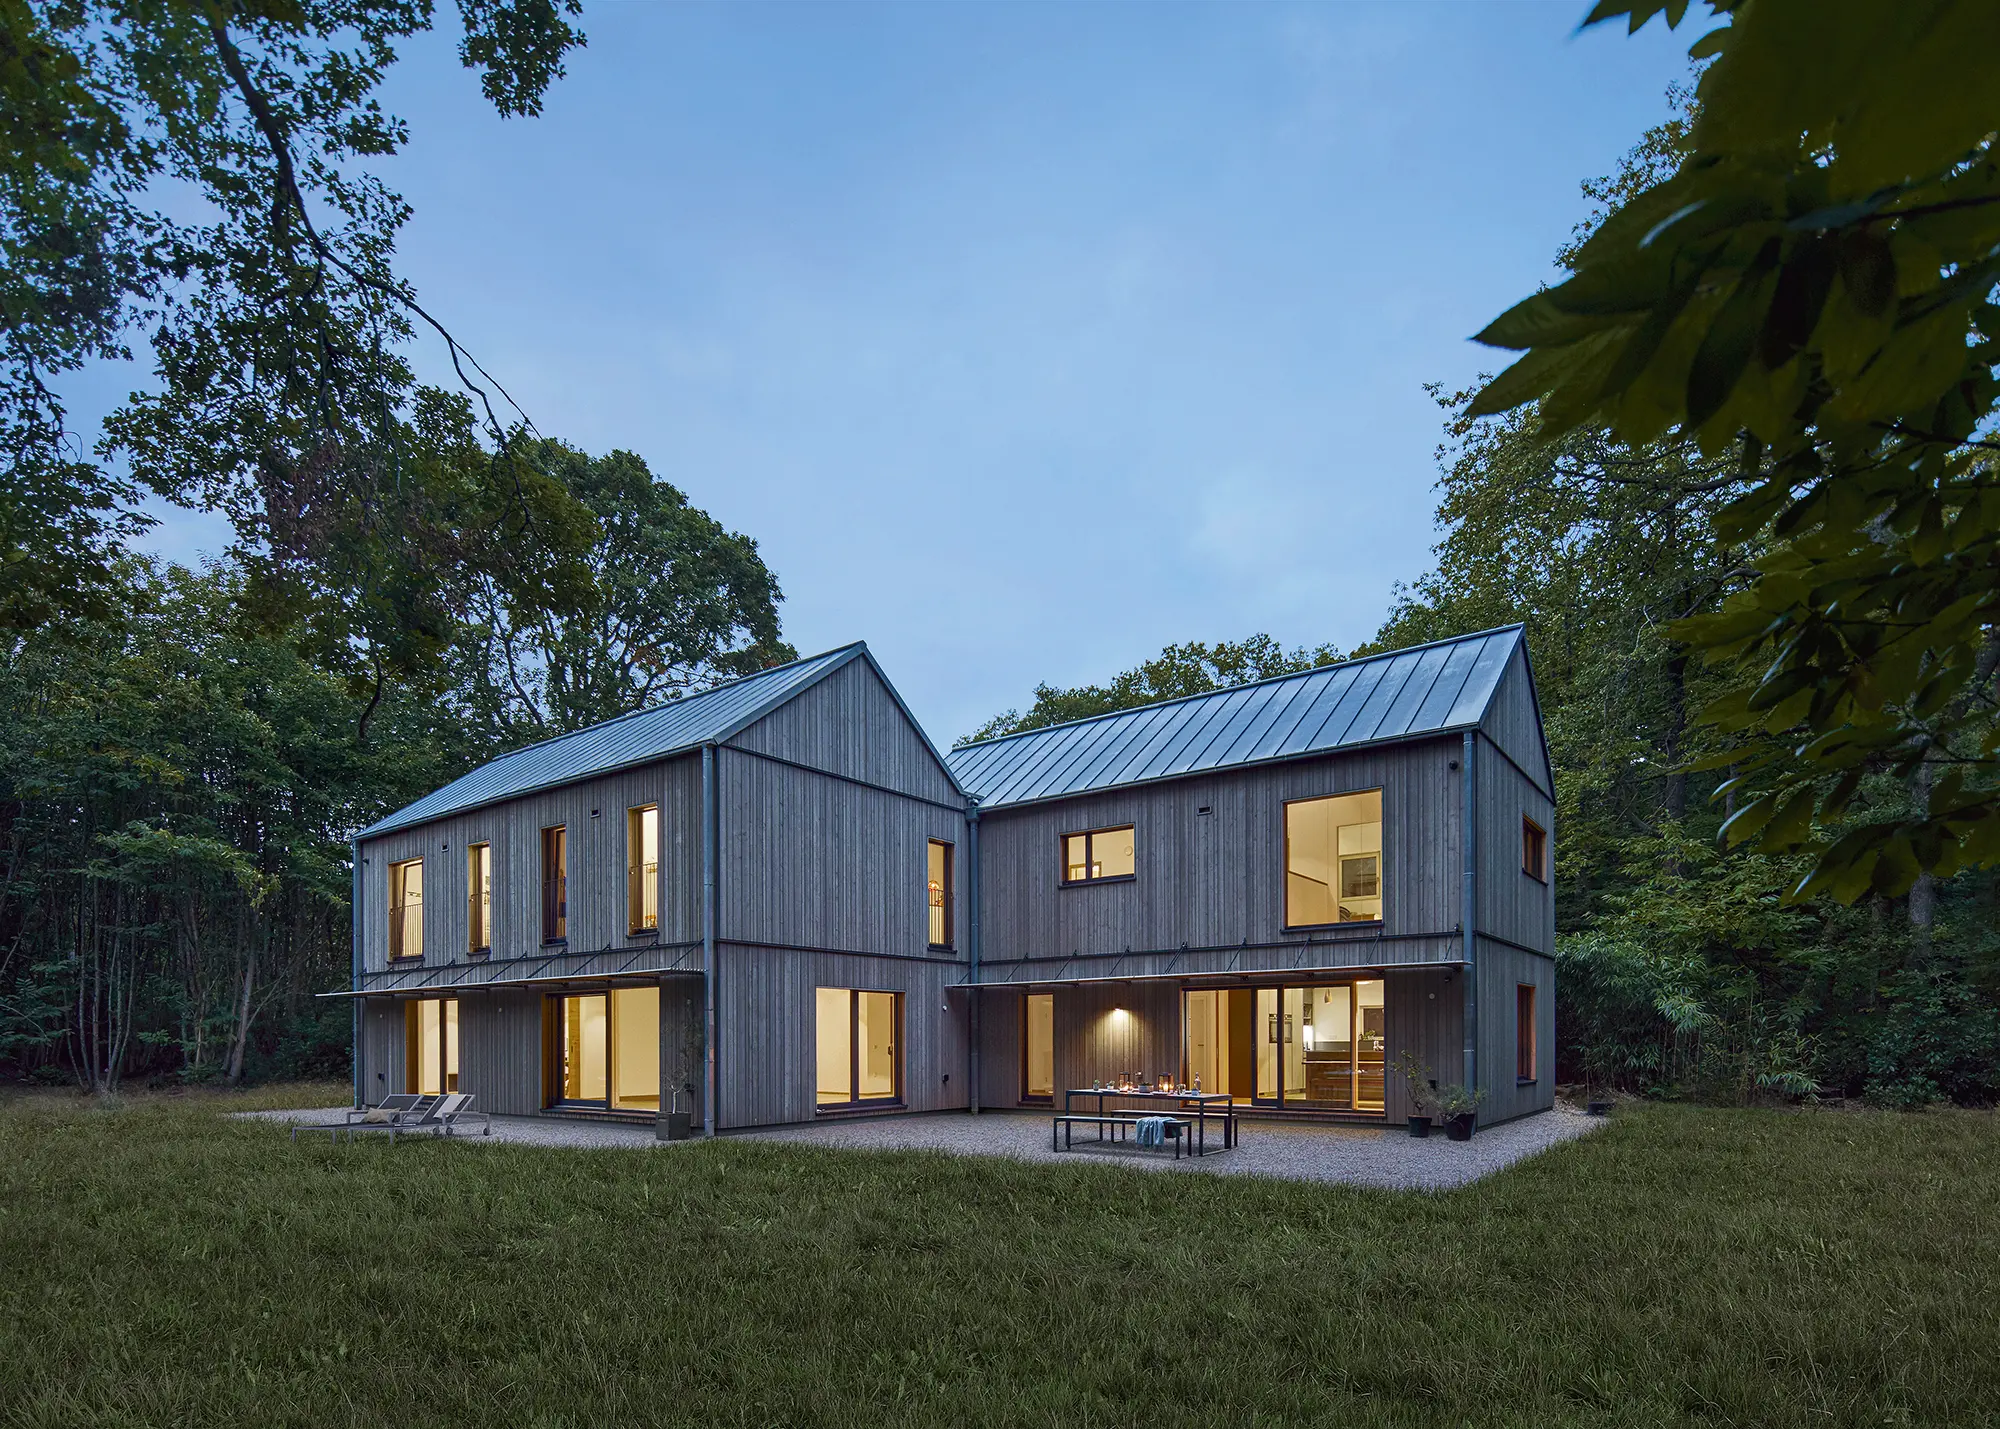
1025	338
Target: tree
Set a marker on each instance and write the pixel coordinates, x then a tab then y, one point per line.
1177	671
1810	292
668	602
275	320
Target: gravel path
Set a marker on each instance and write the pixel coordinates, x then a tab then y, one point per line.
1355	1156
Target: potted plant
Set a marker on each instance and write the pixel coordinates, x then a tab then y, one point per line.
676	1123
1422	1091
1597	1062
1459	1107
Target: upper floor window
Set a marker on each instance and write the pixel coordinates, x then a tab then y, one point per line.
1333	860
555	884
1098	855
406	909
479	898
937	893
1534	850
642	869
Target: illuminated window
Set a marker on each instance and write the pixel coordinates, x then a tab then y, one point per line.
642	869
937	893
1333	860
1098	855
1038	1047
430	1046
607	1049
1534	850
406	909
555	884
479	899
857	1046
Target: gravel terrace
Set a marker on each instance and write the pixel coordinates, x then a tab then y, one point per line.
1355	1156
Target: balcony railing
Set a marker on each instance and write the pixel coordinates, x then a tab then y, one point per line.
406	931
555	908
478	915
642	897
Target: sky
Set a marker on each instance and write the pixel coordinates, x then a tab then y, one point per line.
1025	338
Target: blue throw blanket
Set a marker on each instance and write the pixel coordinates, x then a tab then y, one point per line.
1151	1130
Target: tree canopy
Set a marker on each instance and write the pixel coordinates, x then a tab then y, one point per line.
1808	291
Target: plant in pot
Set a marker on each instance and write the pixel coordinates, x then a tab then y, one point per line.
1422	1092
1459	1107
676	1123
1599	1059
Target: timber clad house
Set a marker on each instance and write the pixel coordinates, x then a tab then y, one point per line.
775	902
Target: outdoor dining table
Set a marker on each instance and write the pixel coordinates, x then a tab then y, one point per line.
1199	1105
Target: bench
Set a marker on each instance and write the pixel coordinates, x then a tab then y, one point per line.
1059	1132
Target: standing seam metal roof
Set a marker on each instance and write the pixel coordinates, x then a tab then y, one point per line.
1426	689
647	734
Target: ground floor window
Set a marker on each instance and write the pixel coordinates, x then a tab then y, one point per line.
1524	1032
605	1049
1318	1048
1038	1047
859	1039
430	1045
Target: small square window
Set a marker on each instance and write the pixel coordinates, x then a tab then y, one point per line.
1099	856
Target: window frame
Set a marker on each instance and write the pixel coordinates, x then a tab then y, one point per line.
1534	850
634	882
478	900
933	891
1089	850
555	911
395	953
1285	867
449	1049
855	1101
1527	1048
553	1098
1029	1098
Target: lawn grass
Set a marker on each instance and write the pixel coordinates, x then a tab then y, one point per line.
167	1265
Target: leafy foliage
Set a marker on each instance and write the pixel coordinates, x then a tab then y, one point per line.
1810	292
1176	672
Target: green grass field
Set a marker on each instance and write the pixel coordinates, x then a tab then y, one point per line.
165	1265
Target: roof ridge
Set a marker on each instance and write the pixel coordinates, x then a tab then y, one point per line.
1244	685
676	700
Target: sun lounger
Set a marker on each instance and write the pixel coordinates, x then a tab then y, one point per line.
456	1111
408	1119
390	1106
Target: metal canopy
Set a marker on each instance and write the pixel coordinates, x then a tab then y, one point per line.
1424	690
671	728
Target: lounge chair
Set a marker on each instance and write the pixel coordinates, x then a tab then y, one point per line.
410	1118
456	1111
394	1105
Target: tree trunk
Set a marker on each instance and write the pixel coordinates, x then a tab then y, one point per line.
240	1039
1923	893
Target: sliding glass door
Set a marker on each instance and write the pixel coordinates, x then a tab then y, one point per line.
606	1048
1322	1048
858	1036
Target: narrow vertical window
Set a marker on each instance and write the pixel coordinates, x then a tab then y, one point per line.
1524	1033
479	899
555	884
406	909
937	889
1038	1047
1534	850
642	869
858	1038
430	1046
1333	860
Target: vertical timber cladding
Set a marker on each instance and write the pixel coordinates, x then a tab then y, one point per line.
1218	879
513	831
500	1049
1502	971
1424	1013
766	1008
383	1070
822	873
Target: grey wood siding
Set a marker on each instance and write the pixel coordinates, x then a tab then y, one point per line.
1501	970
1217	880
1512	904
816	862
500	1050
1512	722
766	1005
596	859
1424	1014
849	723
382	1062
